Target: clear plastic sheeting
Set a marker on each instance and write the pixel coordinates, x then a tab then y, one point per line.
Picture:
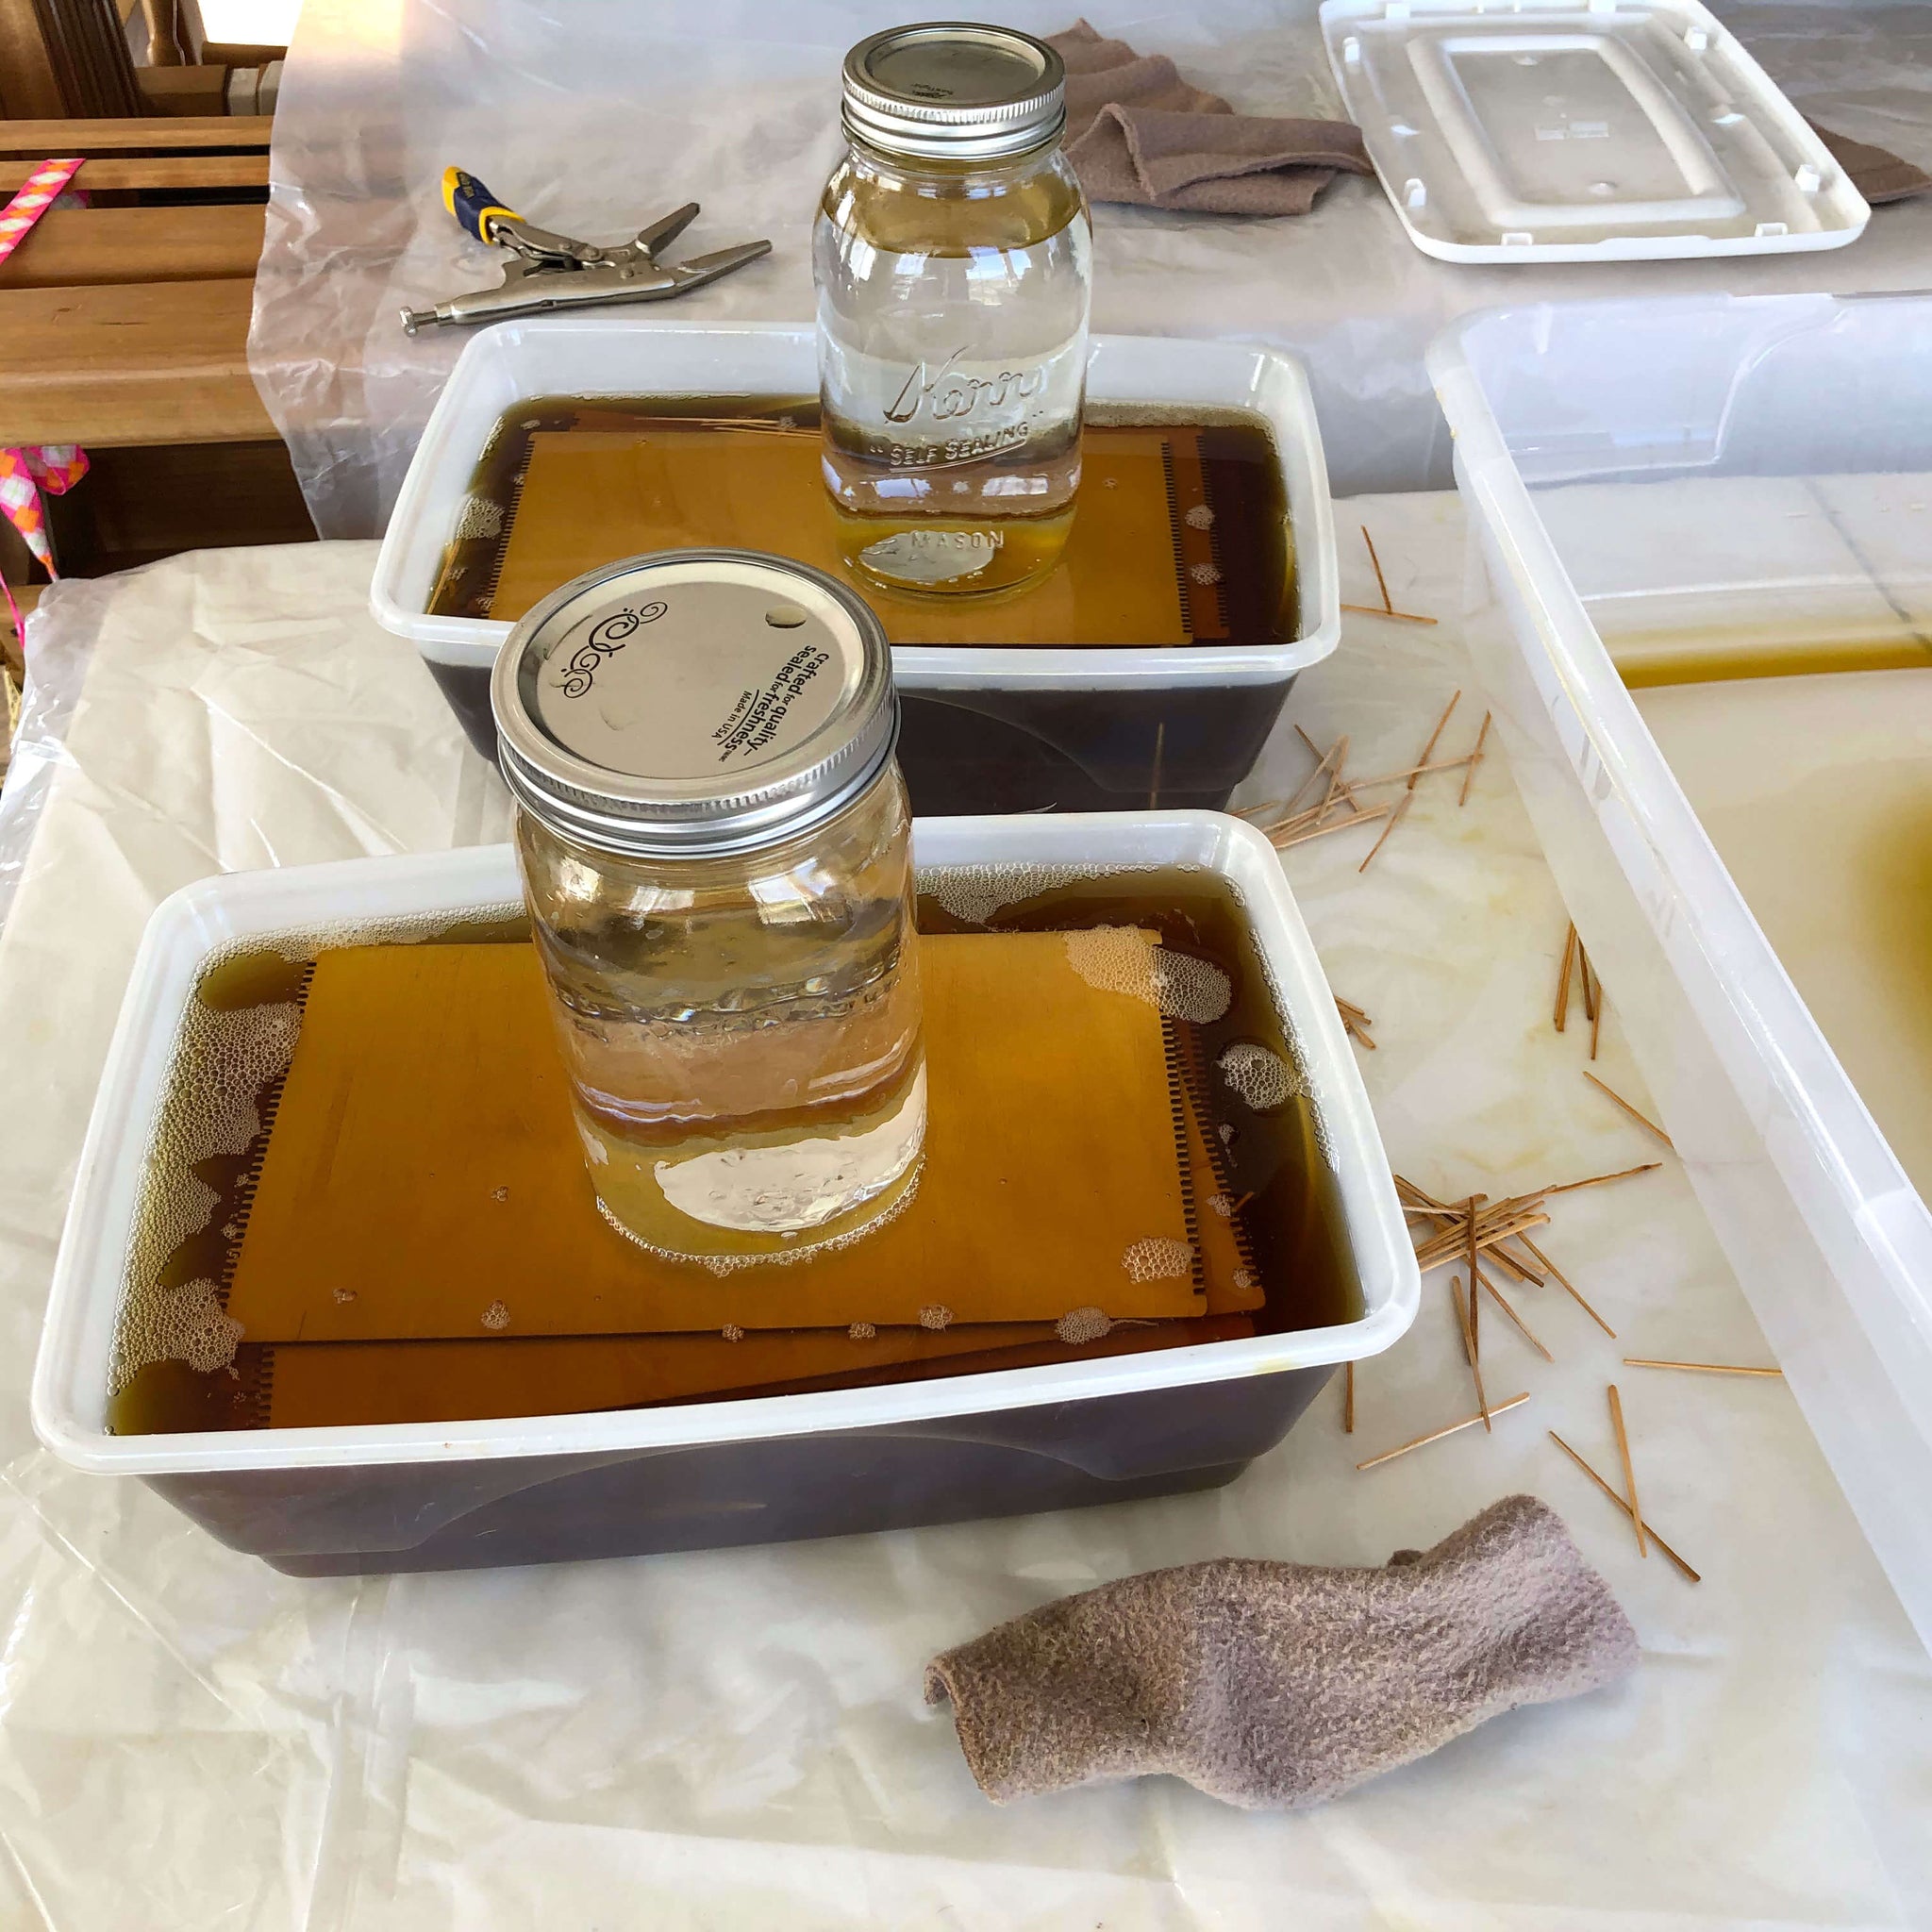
596	115
738	1738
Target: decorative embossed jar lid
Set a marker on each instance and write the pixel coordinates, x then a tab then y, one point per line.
693	703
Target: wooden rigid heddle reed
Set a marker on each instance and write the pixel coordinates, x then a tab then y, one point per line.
421	1243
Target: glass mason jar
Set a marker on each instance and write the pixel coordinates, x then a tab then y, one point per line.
953	259
713	837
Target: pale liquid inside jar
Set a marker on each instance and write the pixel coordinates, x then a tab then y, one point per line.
952	362
748	1079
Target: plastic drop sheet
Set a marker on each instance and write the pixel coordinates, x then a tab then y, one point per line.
594	116
190	1741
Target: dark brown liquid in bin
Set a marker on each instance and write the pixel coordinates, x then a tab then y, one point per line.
1180	537
1269	1161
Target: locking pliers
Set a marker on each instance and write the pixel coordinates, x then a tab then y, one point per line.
548	270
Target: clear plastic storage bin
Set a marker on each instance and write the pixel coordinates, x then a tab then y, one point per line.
985	727
1655	487
441	1495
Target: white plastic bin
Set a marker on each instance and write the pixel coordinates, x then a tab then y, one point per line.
324	1501
987	728
1629	468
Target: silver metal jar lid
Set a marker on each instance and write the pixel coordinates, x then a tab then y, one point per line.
948	90
693	704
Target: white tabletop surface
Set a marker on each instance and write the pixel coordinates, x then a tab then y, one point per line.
738	1739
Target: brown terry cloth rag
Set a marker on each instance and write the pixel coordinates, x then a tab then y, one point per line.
1137	132
1278	1684
1876	173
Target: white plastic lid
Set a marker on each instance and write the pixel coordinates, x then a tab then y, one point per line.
1608	130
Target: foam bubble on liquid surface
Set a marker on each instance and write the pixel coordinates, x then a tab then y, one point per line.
1259	1077
976	892
1157	1258
222	1061
1117	959
478	518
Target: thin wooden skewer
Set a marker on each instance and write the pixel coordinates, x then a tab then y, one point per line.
1323	831
1394	819
1523	1327
1564	1282
1449	1242
1348	1399
1623	1505
1597	1181
1476	758
1441	722
1381	582
1475	1301
1629	1470
1638	1361
1482	1401
1499	1252
1437	1435
1589	981
1399	616
1413	773
1641	1121
1562	1015
1594	987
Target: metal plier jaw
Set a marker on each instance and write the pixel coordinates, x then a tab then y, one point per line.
548	270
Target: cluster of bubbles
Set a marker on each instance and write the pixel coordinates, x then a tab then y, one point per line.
1258	1076
478	518
1157	1258
222	1064
976	893
1118	958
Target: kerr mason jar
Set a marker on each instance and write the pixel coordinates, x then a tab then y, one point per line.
953	259
713	839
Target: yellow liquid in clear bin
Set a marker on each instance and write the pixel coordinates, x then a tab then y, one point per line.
1817	792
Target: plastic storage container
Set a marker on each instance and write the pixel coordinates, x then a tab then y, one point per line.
986	728
327	1501
1637	469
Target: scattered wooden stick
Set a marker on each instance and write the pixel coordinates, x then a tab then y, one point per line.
1523	1327
1348	1398
1593	1004
1562	1014
1455	699
1357	1022
1598	1180
1564	1282
1449	1244
1638	1361
1482	1401
1623	1505
1636	1507
1388	608
1437	1435
1381	582
1476	758
1281	844
1650	1125
1394	819
1475	1301
1398	616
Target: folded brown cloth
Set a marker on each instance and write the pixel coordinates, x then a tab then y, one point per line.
1279	1684
1876	173
1137	132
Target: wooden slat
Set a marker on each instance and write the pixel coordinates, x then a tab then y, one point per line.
162	362
73	247
170	134
155	171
